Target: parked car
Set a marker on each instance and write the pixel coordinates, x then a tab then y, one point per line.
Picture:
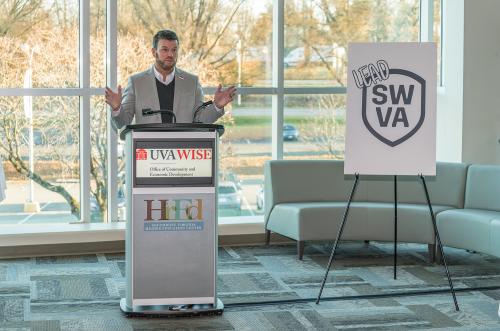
229	176
260	197
229	196
290	132
95	212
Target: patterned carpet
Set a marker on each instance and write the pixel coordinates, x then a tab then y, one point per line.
83	292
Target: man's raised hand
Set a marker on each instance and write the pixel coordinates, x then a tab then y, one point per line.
223	97
114	100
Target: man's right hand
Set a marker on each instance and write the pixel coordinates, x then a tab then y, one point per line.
114	100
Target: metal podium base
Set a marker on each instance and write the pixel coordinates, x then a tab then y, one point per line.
171	310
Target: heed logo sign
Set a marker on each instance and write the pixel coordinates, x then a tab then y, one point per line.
391	99
173	215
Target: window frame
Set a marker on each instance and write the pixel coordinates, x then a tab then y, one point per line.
85	91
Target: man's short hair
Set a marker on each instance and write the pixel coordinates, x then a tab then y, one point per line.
164	34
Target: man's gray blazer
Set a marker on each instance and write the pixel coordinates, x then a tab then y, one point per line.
141	93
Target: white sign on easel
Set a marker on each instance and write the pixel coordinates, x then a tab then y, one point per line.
391	109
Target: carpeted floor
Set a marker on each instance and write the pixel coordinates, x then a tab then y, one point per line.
83	292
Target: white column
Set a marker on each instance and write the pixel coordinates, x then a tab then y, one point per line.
481	73
450	96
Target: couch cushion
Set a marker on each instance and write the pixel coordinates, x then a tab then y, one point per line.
483	187
366	221
305	181
307	220
467	228
446	188
324	181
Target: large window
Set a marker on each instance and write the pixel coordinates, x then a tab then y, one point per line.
39	134
41	36
227	42
317	34
245	147
57	56
314	126
42	138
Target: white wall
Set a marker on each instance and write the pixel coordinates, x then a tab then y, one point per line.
481	101
468	121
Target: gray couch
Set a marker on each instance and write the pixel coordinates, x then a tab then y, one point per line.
476	227
305	200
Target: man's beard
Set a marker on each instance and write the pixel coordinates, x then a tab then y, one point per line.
164	65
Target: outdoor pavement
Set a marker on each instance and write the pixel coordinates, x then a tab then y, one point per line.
54	209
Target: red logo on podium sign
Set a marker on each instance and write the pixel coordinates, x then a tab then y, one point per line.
141	154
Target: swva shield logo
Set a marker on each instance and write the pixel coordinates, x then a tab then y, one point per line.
393	110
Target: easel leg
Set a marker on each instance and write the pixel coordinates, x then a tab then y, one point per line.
339	234
395	224
439	243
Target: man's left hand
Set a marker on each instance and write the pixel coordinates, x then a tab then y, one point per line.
223	97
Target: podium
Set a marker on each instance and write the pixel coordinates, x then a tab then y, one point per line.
171	235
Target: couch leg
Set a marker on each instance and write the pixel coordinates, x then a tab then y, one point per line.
439	258
300	249
268	237
432	252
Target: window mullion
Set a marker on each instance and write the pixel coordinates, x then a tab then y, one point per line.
111	81
84	70
278	79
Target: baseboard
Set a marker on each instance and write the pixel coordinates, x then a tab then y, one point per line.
9	252
118	246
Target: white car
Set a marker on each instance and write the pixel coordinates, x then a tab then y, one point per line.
260	197
229	196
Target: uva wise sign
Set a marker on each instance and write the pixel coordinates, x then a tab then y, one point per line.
391	109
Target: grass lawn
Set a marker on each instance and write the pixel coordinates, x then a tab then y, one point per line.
259	127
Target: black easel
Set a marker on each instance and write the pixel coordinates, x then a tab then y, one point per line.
436	232
395	224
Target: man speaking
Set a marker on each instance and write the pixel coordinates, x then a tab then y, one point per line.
165	87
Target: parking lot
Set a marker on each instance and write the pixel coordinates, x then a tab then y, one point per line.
53	208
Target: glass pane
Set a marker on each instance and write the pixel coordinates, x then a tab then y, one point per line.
43	36
243	149
97	43
98	161
99	166
314	126
317	34
54	153
227	42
